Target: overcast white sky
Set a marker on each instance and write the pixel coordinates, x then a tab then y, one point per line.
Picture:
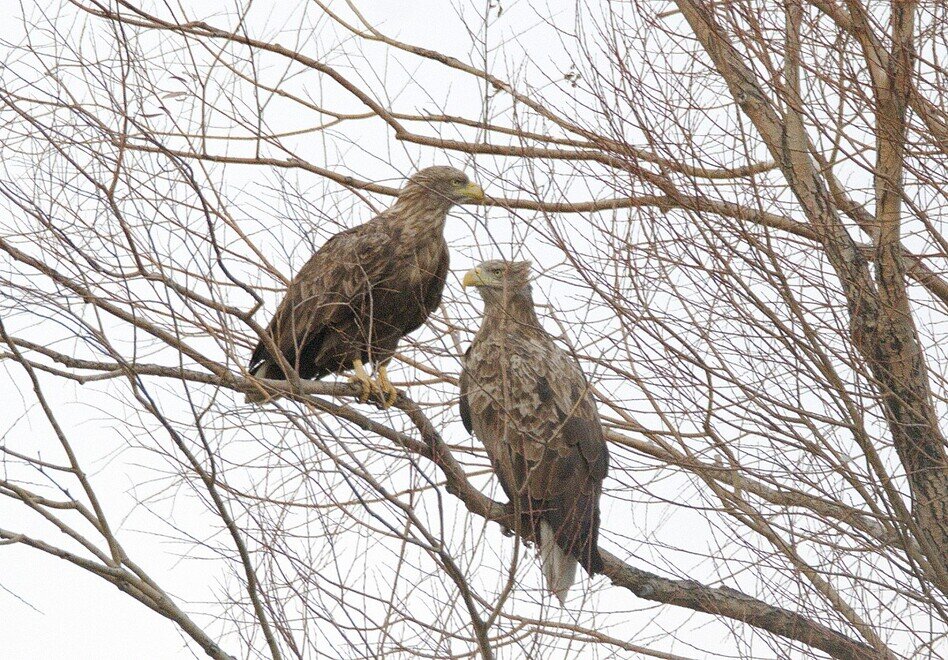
49	609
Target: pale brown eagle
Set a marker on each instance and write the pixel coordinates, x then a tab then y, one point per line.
367	287
528	402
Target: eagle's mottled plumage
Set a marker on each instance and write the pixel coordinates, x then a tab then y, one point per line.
368	286
529	403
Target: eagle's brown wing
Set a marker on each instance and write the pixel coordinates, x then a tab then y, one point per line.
529	404
326	293
463	406
435	285
566	482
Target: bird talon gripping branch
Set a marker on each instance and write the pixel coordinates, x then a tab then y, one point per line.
361	378
386	391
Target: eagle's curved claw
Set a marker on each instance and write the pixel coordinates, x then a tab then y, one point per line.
509	512
361	378
387	392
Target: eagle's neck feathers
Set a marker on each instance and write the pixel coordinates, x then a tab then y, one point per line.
420	214
511	310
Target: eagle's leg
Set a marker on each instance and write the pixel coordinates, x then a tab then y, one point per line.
361	377
387	391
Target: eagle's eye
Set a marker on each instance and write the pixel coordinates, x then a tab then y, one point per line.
458	182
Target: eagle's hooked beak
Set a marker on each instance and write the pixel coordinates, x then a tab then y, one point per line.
472	192
472	278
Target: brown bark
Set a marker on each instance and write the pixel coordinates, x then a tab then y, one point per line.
881	321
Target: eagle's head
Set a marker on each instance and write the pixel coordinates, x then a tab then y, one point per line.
447	184
499	275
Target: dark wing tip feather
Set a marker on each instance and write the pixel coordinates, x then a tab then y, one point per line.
576	521
463	406
465	413
586	436
595	562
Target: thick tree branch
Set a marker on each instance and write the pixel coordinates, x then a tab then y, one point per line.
717	601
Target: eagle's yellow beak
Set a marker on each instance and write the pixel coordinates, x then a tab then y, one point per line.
472	278
472	191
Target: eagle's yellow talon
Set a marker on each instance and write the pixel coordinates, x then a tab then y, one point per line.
366	386
362	379
387	392
388	397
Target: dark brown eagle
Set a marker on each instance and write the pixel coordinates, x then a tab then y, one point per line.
367	287
529	402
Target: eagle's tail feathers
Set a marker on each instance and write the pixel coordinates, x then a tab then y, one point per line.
559	567
259	372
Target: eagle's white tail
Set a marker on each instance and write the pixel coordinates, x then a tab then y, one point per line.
559	568
259	372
